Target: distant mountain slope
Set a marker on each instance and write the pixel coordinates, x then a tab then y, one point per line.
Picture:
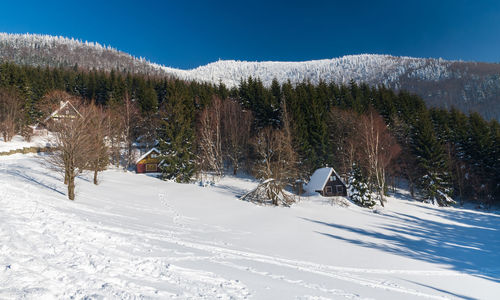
469	86
55	51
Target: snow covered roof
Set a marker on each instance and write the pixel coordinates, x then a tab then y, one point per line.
319	178
146	154
62	105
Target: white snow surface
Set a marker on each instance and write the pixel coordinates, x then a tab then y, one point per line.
18	142
137	237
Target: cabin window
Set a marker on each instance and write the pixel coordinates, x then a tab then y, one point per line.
150	167
332	178
154	155
328	190
339	189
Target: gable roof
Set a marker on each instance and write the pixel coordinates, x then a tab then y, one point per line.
146	154
62	105
319	178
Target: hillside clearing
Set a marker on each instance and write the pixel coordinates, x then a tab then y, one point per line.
134	236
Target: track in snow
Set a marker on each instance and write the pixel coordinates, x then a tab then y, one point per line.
56	248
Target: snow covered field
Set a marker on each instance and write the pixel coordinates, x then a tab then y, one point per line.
18	142
134	236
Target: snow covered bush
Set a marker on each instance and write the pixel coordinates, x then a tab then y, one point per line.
357	189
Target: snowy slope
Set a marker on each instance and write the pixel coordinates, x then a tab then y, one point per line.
368	68
135	237
49	50
58	51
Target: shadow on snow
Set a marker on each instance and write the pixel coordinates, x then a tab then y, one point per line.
467	241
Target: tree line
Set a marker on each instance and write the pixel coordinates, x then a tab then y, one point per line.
371	134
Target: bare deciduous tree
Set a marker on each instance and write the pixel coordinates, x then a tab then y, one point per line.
121	122
210	138
147	130
97	129
52	101
114	127
344	130
73	148
130	116
276	163
10	113
236	125
378	149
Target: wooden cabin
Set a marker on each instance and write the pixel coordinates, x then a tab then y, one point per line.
66	110
326	182
148	162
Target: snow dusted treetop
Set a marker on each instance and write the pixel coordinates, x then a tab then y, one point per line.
58	51
443	83
367	68
43	50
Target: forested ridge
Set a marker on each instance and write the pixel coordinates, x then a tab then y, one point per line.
469	86
438	152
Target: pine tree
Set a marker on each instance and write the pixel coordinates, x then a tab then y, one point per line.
434	180
175	135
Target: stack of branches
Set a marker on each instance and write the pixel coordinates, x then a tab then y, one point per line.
270	192
276	164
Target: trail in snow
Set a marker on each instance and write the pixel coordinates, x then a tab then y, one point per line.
119	242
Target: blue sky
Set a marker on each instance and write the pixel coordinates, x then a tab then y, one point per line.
187	34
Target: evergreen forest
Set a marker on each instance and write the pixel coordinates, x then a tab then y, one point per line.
436	152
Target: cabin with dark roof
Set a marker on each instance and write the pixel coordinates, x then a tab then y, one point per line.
326	182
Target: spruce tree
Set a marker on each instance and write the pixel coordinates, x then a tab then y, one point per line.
434	180
357	188
175	135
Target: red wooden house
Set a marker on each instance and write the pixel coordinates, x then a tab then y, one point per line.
149	162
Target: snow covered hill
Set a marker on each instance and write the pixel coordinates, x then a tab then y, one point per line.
136	237
368	68
469	86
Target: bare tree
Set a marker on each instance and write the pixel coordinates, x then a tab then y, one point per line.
121	122
406	162
210	138
276	163
236	128
97	129
344	130
379	148
147	130
130	116
10	113
114	128
52	101
73	147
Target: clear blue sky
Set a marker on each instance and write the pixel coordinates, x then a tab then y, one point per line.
187	34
